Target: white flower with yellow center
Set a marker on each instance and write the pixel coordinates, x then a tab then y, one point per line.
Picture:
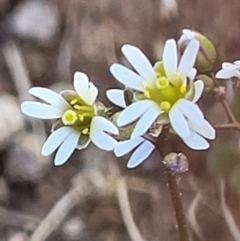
78	121
229	70
166	88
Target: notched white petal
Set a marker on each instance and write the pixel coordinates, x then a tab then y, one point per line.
127	77
49	97
116	97
55	140
124	147
102	140
198	90
133	112
67	148
146	120
81	84
196	142
139	61
102	124
140	154
178	122
190	110
40	110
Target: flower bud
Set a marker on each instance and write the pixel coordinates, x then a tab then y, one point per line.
124	132
176	162
207	55
208	82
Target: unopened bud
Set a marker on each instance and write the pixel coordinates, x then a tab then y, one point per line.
208	82
207	55
176	162
124	132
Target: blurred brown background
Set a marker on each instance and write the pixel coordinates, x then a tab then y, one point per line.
43	43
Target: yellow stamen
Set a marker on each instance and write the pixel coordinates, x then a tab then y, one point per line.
81	116
165	105
77	107
158	74
85	131
183	89
86	108
69	117
162	82
73	102
146	92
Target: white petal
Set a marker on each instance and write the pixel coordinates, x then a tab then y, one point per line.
139	62
146	120
178	122
204	128
133	112
103	124
224	74
55	140
50	97
229	66
67	148
237	62
192	74
127	77
190	110
40	110
188	59
124	147
198	89
141	154
196	142
81	82
170	58
102	140
92	94
116	97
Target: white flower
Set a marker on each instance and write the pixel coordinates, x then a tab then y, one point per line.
167	87
78	123
229	70
187	36
143	150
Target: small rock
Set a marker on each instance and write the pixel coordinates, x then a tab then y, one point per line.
20	236
24	162
73	228
11	120
35	20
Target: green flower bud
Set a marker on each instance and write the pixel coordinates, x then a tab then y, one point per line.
207	55
124	132
208	82
176	162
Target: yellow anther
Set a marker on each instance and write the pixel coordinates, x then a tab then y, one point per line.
73	102
81	117
162	83
85	131
77	107
146	92
165	105
158	74
69	117
183	89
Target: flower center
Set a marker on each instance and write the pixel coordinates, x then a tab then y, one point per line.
165	91
79	116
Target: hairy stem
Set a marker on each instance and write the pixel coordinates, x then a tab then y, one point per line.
173	189
178	207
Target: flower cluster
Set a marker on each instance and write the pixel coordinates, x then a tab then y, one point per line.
163	94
